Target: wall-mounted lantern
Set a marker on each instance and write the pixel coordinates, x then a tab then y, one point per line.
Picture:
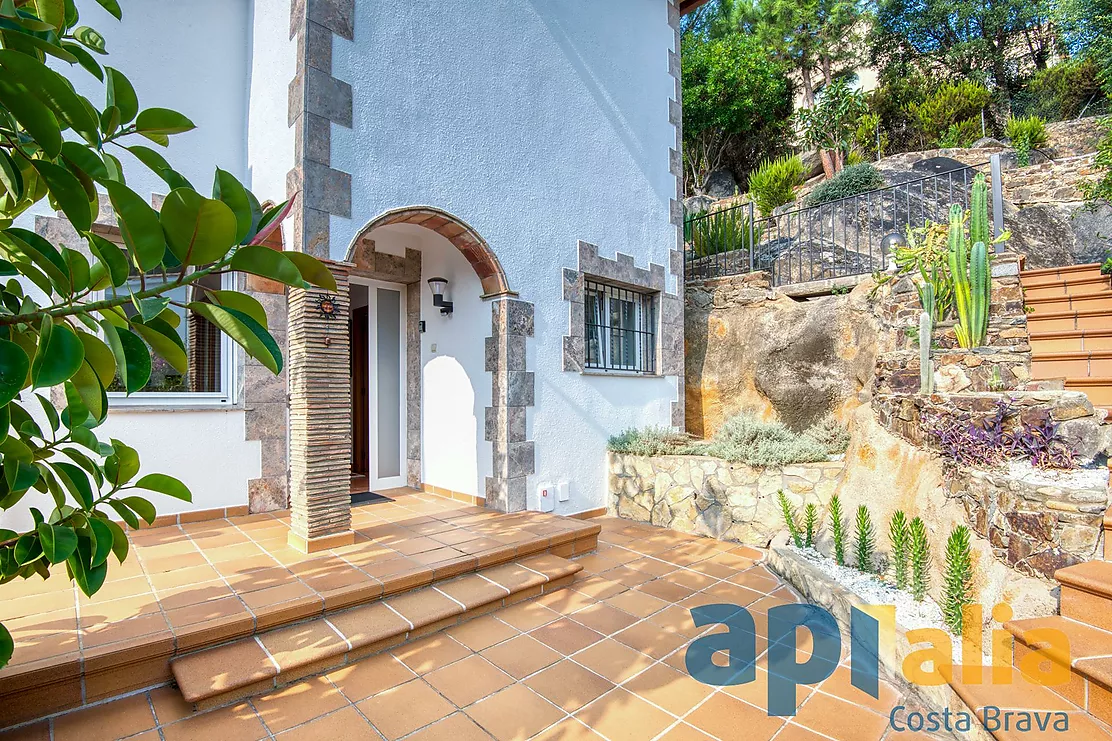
438	286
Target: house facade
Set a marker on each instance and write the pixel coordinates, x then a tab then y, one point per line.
524	153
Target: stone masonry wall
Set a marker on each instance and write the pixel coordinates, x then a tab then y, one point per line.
713	497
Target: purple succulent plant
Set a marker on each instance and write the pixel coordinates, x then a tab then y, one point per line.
990	440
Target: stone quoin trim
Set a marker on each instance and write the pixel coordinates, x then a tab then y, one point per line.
623	271
317	100
513	390
675	165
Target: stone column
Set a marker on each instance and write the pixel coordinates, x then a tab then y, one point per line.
512	385
320	417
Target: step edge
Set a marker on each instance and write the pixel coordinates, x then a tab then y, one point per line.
1068	660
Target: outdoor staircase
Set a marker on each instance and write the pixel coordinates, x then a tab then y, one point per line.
1070	328
223	674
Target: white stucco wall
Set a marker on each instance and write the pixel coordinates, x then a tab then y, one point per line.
540	124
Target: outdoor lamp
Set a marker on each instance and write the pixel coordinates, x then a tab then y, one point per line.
888	245
437	285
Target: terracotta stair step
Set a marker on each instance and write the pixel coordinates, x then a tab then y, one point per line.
1088	658
1085	302
1070	364
1042	281
1055	321
1097	388
1071	339
1039	273
1087	285
1087	592
1107	527
220	675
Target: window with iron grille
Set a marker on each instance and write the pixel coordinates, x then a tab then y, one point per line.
620	326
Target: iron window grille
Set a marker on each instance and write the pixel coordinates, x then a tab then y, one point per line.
620	326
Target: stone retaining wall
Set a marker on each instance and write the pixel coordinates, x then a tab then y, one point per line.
712	497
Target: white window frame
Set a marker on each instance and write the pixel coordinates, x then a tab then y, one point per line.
227	397
641	324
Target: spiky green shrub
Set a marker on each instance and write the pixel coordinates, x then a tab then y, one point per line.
870	136
838	529
864	542
1026	133
952	103
810	523
958	577
717	232
649	441
920	559
961	134
746	439
773	183
831	434
851	181
790	521
900	537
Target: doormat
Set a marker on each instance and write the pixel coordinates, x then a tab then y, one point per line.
368	497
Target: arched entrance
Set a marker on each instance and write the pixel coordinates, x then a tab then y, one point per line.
321	358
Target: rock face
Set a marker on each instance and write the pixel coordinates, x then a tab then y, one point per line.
712	497
721	184
748	348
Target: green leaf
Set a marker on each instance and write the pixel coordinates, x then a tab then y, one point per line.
5	423
78	268
7	646
267	263
272	220
232	193
164	484
120	545
90	39
14	366
125	513
142	507
41	253
53	90
58	541
241	302
162	121
75	413
75	480
149	308
135	365
312	270
139	225
157	164
103	541
84	159
91	391
20	476
52	12
10	177
84	58
248	333
111	256
122	95
27	548
99	357
59	357
122	465
200	230
112	7
88	577
35	117
50	412
68	192
165	343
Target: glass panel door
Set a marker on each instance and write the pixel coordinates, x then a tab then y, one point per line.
387	366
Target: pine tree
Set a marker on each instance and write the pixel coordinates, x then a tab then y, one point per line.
811	523
864	539
958	578
920	560
901	546
788	512
838	530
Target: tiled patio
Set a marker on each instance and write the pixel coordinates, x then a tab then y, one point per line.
196	584
601	659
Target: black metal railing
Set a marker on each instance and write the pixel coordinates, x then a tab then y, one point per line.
839	238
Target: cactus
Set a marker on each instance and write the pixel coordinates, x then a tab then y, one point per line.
864	540
972	279
978	211
788	512
838	530
810	524
900	537
920	560
926	365
958	578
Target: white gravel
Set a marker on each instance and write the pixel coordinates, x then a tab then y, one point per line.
1092	476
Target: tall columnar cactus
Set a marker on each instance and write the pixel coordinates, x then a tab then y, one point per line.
978	211
972	283
926	365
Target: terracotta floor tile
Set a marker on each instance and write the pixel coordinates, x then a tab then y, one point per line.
472	590
234	665
169	705
457	727
722	714
613	660
289	589
793	732
204	611
665	687
756	691
113	720
839	719
469	680
651	640
598	587
235	723
684	732
521	656
621	716
691	579
132	629
118	609
638	604
298	703
514	713
346	724
568	685
370	676
431	653
369	624
405	708
566	636
181	576
840	685
566	601
34	732
604	618
482	632
411	546
665	589
526	616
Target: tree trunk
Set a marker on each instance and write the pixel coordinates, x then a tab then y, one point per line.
828	163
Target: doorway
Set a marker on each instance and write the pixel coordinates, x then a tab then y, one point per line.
378	375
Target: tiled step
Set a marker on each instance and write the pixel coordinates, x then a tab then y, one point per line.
1058	321
1055	304
1072	339
1039	274
1085	285
1097	388
220	675
1087	593
1088	657
1071	364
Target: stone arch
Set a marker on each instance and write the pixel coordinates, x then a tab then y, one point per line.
473	247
